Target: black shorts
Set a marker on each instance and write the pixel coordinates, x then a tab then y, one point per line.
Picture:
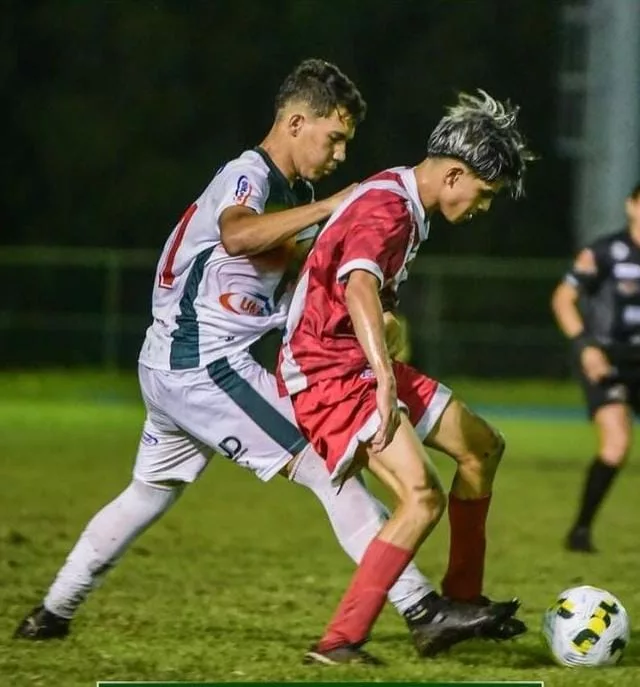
623	387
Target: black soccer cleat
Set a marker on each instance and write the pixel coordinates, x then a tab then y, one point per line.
506	629
579	540
348	654
443	623
41	624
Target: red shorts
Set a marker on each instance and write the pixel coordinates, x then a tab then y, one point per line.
336	415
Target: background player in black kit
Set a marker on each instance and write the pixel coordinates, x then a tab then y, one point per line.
597	306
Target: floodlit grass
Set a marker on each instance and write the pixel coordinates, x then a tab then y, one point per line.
239	578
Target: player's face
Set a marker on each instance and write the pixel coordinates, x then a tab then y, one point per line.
464	195
321	144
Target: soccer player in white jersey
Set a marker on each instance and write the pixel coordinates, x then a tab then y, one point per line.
221	283
358	407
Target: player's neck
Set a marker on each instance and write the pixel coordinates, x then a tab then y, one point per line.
279	154
427	183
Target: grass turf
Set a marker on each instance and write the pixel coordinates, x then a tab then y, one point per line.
240	577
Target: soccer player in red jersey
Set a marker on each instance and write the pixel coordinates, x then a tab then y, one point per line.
359	408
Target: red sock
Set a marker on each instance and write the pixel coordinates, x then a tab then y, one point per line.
378	571
467	518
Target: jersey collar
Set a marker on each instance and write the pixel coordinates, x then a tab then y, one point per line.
408	177
273	168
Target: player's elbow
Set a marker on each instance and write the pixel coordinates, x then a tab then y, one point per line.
236	230
232	244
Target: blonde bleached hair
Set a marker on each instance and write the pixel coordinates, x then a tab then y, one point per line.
482	132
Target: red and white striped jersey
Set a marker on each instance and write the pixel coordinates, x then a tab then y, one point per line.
378	228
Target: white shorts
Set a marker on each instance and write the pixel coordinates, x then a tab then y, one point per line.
232	407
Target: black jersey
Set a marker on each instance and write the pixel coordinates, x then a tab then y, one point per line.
610	297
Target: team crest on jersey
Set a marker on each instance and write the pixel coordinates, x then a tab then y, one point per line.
619	250
243	190
246	304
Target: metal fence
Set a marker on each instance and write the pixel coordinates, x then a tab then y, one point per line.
468	316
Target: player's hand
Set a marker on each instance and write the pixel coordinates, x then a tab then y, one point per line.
595	364
333	201
387	403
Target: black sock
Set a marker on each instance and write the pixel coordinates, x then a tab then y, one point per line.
599	479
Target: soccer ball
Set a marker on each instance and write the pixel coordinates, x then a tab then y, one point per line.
586	626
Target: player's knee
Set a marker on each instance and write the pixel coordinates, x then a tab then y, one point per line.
615	453
490	452
425	506
175	486
487	452
497	445
614	446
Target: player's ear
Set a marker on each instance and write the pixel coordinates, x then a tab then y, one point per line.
295	123
452	174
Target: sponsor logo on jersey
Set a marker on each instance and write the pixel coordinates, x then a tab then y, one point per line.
252	304
243	190
626	270
631	314
619	250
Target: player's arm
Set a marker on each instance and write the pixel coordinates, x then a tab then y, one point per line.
365	310
564	305
243	231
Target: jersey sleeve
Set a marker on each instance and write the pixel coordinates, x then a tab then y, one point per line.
377	240
241	183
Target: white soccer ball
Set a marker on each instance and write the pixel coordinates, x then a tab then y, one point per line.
586	626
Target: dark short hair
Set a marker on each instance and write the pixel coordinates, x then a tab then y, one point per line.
324	88
482	133
635	192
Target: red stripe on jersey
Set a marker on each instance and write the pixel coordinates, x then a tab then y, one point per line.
167	277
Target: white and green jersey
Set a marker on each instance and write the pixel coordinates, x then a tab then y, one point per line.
207	304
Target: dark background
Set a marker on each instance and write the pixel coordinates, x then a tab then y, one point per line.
115	116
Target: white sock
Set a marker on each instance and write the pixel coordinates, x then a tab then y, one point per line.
104	540
357	517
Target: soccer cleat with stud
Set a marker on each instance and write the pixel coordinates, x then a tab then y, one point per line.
445	623
41	624
506	629
341	655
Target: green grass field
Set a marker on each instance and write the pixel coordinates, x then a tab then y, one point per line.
240	577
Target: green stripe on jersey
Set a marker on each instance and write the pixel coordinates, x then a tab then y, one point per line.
185	349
